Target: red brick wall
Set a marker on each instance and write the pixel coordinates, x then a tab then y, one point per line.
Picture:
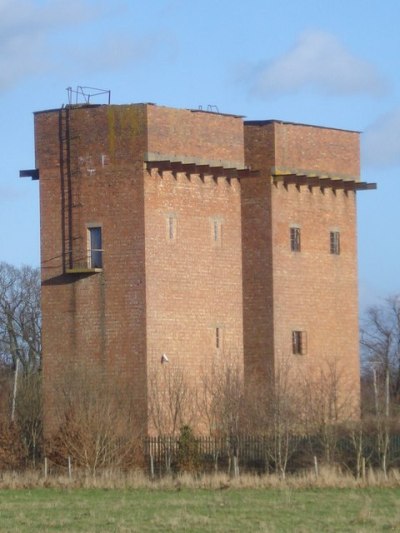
312	290
194	283
93	320
196	135
316	149
257	257
160	295
91	162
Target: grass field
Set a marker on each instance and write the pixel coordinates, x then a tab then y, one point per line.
280	510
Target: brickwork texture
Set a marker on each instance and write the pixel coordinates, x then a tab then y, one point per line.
196	262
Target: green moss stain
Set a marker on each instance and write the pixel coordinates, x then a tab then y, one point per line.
133	121
125	124
111	132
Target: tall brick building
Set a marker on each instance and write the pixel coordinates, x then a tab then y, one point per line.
191	235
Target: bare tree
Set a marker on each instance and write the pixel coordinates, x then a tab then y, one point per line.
97	422
382	424
329	402
171	399
29	414
6	383
171	405
380	341
278	415
20	318
222	396
222	402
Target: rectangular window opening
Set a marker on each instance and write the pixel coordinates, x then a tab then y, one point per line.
216	230
295	244
335	242
299	342
171	227
95	248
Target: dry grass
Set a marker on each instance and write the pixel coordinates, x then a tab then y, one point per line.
115	479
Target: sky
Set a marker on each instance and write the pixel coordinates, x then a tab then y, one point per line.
331	63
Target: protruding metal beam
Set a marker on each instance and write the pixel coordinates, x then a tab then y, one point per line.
32	173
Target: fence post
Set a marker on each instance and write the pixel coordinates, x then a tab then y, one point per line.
363	468
316	466
151	465
69	467
45	468
235	466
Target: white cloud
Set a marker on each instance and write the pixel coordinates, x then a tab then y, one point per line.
318	61
25	26
30	16
381	141
111	51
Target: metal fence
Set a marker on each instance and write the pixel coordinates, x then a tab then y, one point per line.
258	453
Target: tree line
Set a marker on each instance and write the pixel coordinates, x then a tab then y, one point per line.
97	425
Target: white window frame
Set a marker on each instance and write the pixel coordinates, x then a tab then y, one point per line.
90	228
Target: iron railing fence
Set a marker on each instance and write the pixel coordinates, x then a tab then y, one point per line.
262	453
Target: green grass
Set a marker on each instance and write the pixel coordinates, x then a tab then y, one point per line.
280	510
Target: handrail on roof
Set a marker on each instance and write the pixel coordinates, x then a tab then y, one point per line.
84	94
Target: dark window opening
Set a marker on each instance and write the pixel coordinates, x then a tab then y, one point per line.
299	342
295	245
171	227
216	230
95	251
335	242
217	338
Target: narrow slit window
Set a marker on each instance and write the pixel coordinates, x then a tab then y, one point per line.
171	227
335	242
299	342
216	231
217	338
95	248
295	242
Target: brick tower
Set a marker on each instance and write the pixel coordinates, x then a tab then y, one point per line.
300	257
140	241
189	235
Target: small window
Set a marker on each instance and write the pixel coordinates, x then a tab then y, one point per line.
216	231
95	248
299	342
295	244
335	242
218	337
171	227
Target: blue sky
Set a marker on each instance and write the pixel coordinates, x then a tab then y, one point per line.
333	63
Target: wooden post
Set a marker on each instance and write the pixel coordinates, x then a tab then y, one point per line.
235	466
363	468
151	466
45	468
69	467
316	466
